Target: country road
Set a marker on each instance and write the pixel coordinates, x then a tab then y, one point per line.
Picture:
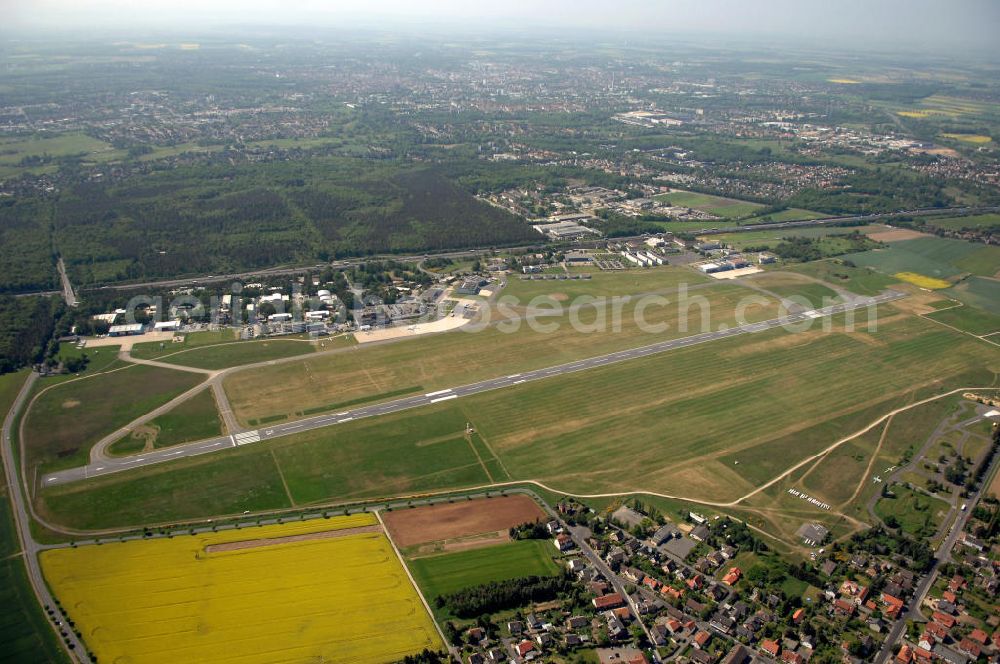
104	465
22	521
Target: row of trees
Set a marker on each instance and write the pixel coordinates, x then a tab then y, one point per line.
503	595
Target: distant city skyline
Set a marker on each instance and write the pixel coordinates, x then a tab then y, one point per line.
932	25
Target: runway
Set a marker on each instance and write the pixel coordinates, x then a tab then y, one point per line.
115	465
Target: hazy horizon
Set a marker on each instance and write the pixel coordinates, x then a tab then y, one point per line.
961	27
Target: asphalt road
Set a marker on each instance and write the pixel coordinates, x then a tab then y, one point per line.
67	285
943	554
107	466
29	546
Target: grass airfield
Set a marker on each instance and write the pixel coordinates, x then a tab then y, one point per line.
711	422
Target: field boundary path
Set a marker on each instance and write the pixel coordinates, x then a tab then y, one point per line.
454	652
101	464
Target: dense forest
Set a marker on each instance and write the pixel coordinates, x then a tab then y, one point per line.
26	254
26	329
214	219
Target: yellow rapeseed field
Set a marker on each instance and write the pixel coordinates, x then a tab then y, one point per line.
326	597
969	138
922	280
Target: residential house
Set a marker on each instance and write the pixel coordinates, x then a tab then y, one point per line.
737	655
611	601
732	576
699	534
770	647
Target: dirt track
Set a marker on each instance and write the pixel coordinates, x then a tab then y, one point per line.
459	519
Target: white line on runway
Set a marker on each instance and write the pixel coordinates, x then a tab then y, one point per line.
346	419
450	396
434	394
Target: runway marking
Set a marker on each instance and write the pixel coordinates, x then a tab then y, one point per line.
434	394
518	382
513	375
346	419
450	396
247	437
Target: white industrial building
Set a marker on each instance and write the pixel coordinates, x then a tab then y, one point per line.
167	326
126	330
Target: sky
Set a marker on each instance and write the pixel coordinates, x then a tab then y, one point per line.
934	25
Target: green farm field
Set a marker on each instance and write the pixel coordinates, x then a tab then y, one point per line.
446	573
973	221
669	425
775	237
195	419
63	422
933	257
978	292
728	208
12	151
792	214
970	319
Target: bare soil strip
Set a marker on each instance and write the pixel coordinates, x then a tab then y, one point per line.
271	541
896	235
446	521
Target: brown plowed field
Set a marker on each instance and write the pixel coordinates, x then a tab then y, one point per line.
459	519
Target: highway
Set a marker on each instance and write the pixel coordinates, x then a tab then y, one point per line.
67	285
339	264
109	465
